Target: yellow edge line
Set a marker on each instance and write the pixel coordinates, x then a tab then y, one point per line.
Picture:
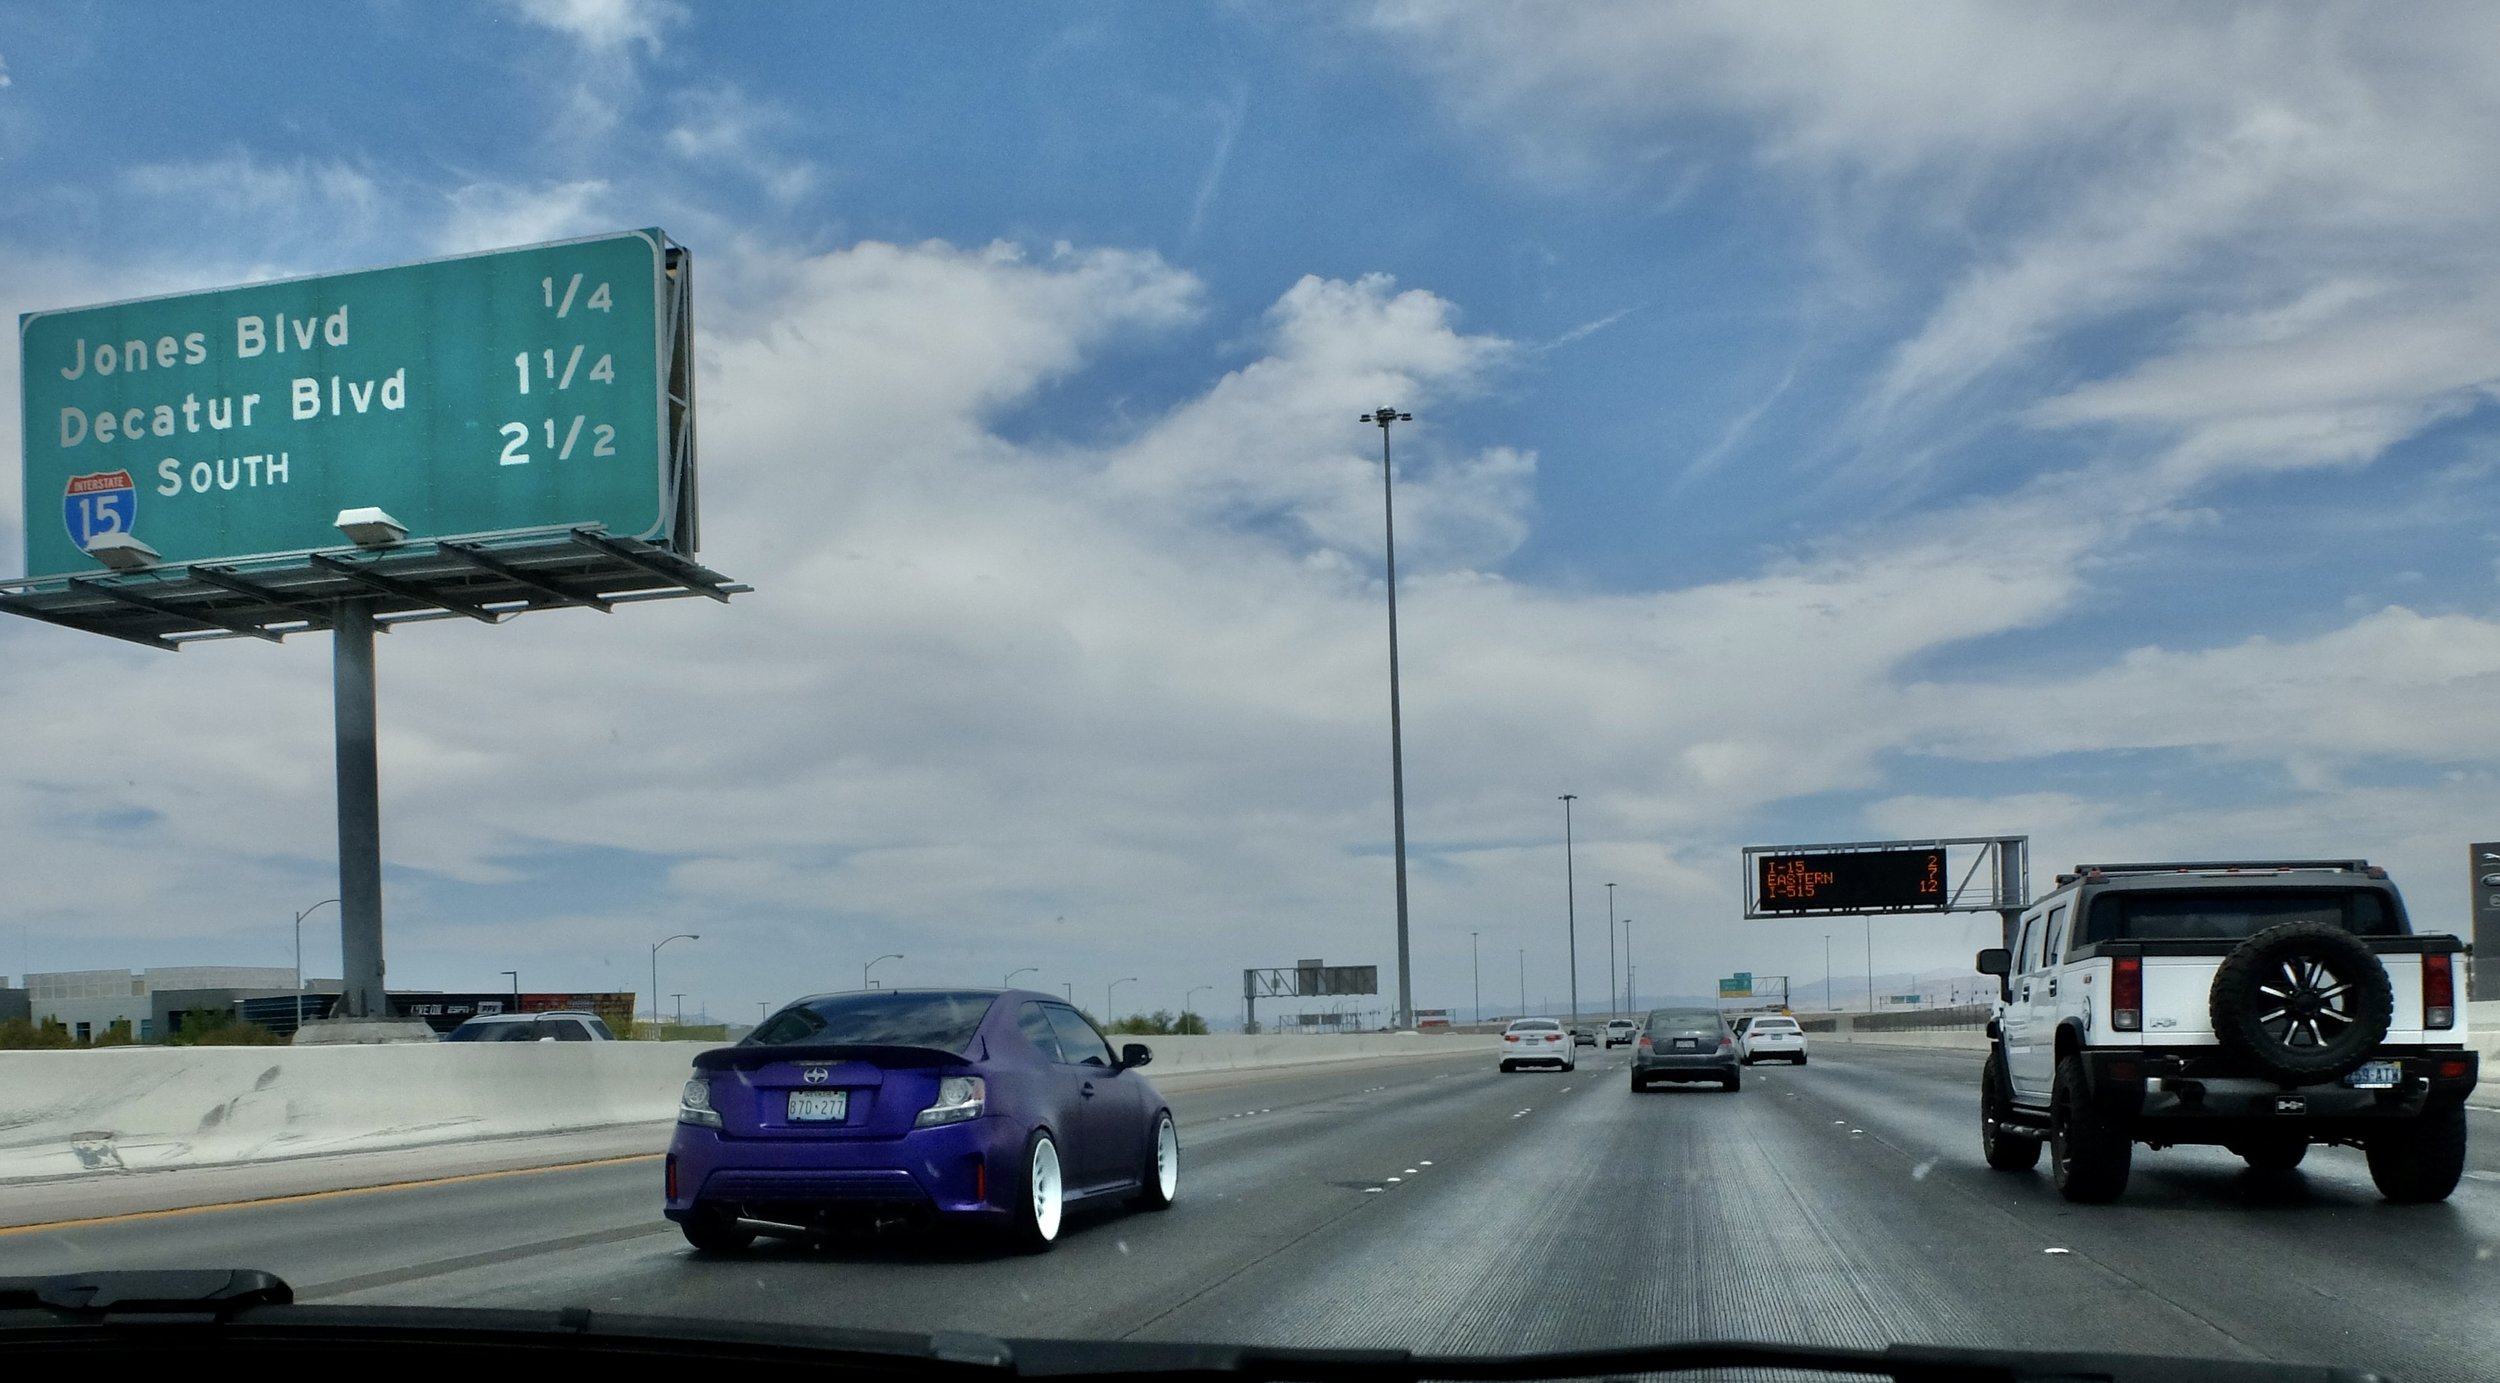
136	1215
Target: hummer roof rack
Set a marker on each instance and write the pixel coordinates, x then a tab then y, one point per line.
2220	866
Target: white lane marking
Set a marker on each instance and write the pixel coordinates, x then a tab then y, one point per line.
1371	1190
1919	1172
1855	1132
2483	1176
1410	1171
2057	1250
1393	1180
1427	1164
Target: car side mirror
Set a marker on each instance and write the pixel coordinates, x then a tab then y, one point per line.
1998	961
1135	1054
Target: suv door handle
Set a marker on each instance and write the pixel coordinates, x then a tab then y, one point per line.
1089	1090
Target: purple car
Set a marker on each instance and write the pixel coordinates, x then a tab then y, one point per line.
982	1106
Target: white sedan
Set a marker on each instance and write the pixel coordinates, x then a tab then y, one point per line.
1770	1037
1538	1042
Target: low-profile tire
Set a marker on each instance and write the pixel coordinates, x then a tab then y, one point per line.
1734	1082
1507	1068
1801	1058
1160	1179
2273	1154
2007	1152
2421	1160
2089	1154
1638	1085
1041	1197
715	1229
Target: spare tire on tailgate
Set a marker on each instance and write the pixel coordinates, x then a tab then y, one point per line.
2304	1002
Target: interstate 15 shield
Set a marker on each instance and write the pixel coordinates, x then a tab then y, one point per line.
97	504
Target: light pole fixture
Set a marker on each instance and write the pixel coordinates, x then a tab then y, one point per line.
1382	418
1571	907
1110	989
655	969
1011	975
863	970
1190	998
1523	983
515	976
1631	1001
1610	948
299	958
1475	967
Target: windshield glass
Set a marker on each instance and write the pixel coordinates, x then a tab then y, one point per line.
1354	674
944	1019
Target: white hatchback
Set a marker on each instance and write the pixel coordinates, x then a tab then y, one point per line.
1771	1037
1538	1042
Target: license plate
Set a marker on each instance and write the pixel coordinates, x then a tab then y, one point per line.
1686	1044
2376	1075
819	1106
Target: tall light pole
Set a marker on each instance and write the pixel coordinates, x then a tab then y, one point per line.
1110	989
1190	998
1870	963
1475	966
1382	418
1571	906
1610	949
1523	982
1011	976
1828	1005
299	959
1631	1000
655	969
516	988
863	970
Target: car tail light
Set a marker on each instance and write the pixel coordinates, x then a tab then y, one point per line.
1726	1041
694	1104
1647	1043
1510	1037
672	1176
2439	992
2452	1069
959	1098
980	1178
2126	995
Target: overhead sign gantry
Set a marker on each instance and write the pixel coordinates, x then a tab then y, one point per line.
474	437
1883	877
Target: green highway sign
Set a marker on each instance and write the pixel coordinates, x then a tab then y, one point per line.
1737	986
511	390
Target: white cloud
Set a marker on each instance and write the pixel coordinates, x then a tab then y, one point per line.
606	25
491	216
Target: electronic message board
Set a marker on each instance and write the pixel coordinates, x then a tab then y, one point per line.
1854	881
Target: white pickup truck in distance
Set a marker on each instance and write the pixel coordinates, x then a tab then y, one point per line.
2261	1006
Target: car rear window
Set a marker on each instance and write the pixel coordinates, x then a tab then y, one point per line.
1684	1020
1536	1025
519	1030
941	1018
2233	914
1773	1025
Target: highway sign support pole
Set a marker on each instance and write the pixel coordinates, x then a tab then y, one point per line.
1571	908
1397	731
359	811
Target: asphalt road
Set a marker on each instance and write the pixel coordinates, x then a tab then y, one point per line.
1443	1206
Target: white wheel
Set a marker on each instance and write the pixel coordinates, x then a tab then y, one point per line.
1163	1179
1045	1194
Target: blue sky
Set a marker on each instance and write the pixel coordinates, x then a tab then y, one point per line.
1831	423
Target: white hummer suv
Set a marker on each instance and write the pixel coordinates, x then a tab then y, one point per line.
2262	1006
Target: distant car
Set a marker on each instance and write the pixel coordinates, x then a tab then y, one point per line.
1770	1037
1621	1032
1681	1044
975	1106
1582	1037
556	1025
1538	1042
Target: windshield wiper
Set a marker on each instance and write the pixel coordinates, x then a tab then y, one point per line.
125	1315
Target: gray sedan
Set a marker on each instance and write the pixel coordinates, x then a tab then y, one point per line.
1681	1044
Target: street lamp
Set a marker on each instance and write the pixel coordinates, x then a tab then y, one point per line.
1108	990
863	970
1571	907
1828	1005
1190	998
299	959
1011	975
1631	1001
1523	982
655	969
1397	740
516	988
1610	947
1475	967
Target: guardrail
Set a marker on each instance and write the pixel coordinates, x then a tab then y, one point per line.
123	1109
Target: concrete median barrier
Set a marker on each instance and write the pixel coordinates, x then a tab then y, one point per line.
117	1110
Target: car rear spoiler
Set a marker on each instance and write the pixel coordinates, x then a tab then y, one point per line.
745	1058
